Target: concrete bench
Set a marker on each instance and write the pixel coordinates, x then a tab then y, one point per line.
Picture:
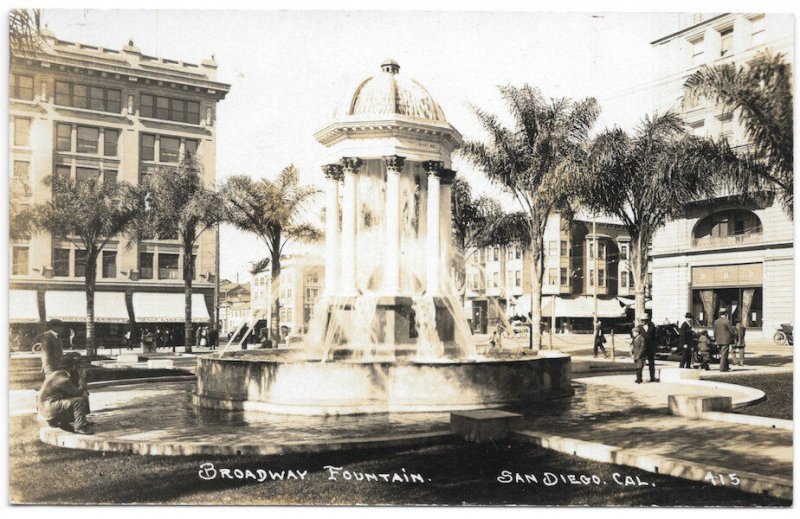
484	425
693	406
160	364
677	374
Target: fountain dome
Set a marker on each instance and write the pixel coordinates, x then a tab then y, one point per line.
390	93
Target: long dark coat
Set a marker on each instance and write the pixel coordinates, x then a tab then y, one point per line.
639	351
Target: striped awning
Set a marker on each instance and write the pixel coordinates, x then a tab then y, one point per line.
70	306
581	306
156	307
22	307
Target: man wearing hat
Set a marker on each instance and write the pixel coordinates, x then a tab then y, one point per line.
650	340
638	352
52	351
724	336
686	341
63	402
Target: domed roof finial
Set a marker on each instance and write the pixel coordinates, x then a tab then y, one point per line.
390	66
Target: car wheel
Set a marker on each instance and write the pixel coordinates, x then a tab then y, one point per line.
780	338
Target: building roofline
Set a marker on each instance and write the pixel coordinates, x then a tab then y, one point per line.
687	29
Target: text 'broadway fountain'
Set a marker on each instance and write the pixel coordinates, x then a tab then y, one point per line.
389	333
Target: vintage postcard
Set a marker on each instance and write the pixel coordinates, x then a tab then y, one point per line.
400	257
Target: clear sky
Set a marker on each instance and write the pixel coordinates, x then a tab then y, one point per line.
289	71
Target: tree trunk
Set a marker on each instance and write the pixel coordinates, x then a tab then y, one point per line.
275	288
639	270
90	280
188	276
537	271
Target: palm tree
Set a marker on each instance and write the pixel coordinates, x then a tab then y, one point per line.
179	206
24	30
271	209
88	214
645	179
760	93
524	159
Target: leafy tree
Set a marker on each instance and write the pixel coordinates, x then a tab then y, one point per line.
760	93
179	206
24	30
525	158
89	214
272	210
645	179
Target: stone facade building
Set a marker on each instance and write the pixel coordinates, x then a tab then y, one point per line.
115	115
725	254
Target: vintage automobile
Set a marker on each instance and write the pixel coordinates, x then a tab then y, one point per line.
668	347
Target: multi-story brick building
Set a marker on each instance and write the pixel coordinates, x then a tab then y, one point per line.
115	115
499	279
726	254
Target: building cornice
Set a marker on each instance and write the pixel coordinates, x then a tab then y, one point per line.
689	29
390	127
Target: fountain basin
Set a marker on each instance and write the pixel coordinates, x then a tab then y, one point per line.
301	387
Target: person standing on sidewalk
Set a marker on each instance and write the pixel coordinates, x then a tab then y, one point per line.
739	345
650	340
638	352
599	340
724	336
686	341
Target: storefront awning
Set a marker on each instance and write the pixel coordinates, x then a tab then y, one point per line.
154	307
581	306
22	307
70	306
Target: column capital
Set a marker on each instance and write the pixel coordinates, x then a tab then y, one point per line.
332	171
351	164
432	166
394	162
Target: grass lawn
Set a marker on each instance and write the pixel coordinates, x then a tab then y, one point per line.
459	473
778	388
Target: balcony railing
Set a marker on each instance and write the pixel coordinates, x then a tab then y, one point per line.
753	236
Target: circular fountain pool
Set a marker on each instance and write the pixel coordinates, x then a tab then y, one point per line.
277	383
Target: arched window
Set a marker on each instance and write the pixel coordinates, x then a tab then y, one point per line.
727	227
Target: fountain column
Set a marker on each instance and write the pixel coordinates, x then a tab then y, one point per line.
446	215
432	244
350	167
333	173
391	275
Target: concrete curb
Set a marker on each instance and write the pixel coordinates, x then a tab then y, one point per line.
753	395
691	470
60	438
745	419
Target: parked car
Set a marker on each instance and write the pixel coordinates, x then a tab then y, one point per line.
668	345
785	335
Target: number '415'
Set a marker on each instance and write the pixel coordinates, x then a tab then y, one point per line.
722	479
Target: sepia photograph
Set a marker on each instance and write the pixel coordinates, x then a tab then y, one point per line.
367	256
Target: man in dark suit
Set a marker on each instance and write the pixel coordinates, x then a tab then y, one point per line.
685	341
724	336
52	351
650	341
638	351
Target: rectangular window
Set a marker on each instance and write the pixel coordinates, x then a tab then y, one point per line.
88	139
168	266
87	174
170	147
623	279
552	277
110	140
110	176
726	42
601	251
623	251
496	280
63	93
113	100
22	131
96	98
61	262
192	112
148	150
146	265
697	51
590	278
21	87
698	129
177	110
518	278
109	263
80	96
63	171
22	178
497	253
601	278
564	248
564	278
162	108
19	261
63	137
552	248
190	145
146	106
80	263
